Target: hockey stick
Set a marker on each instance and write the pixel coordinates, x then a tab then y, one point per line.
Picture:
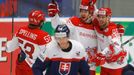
127	41
11	57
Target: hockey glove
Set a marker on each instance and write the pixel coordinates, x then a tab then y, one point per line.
121	29
117	57
21	56
100	59
92	2
53	9
91	54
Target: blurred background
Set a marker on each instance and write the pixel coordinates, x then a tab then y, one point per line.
121	8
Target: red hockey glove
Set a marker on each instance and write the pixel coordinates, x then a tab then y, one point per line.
92	2
91	54
117	57
121	29
122	55
53	9
100	59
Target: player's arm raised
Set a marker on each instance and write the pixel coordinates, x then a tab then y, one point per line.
53	11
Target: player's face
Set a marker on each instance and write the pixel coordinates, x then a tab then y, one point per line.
62	41
103	20
84	15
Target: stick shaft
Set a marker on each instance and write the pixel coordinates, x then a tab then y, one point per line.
127	41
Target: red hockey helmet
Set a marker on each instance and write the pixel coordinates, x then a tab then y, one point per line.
88	5
105	11
36	17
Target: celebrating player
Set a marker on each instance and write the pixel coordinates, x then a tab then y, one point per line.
31	40
110	53
81	28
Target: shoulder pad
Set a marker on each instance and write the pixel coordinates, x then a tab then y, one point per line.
75	20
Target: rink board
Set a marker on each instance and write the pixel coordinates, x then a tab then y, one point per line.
6	34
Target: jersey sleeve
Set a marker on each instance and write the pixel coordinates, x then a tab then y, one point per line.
46	50
42	53
42	61
114	43
39	66
55	21
84	68
73	21
44	39
12	44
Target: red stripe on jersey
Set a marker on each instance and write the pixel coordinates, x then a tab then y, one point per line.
67	60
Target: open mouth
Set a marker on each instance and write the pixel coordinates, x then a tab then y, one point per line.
83	18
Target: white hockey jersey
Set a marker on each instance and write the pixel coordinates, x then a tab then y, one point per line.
79	31
66	63
30	41
54	51
106	37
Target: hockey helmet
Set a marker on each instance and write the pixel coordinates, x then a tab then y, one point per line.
62	31
105	12
36	17
88	5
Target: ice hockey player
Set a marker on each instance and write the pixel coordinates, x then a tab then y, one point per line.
81	28
31	40
109	44
66	56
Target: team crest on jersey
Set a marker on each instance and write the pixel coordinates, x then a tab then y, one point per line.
64	68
